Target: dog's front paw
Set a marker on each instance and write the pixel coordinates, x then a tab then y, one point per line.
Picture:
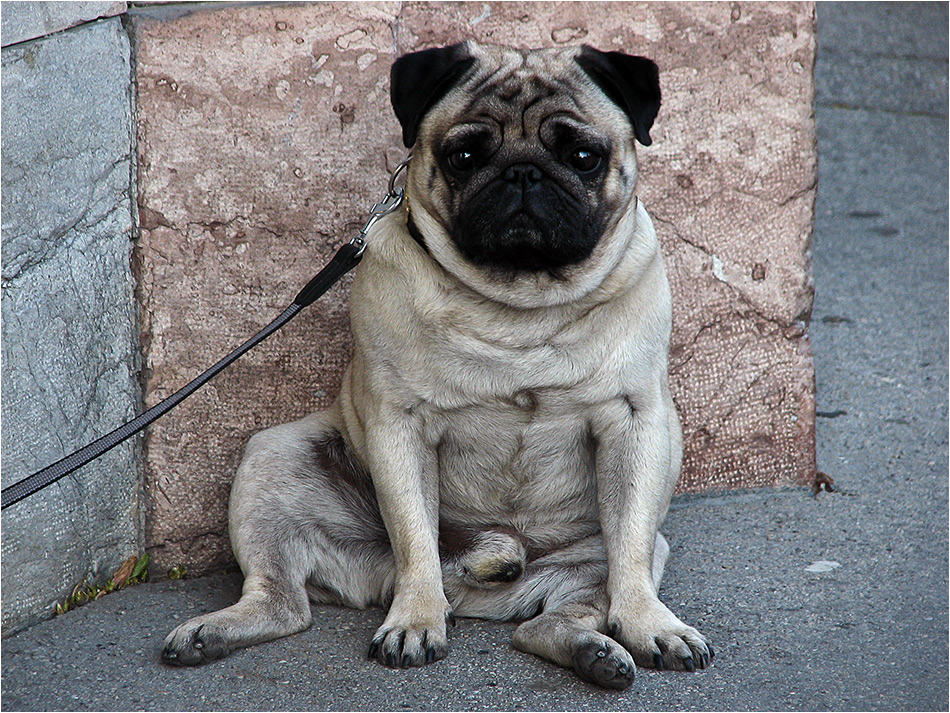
657	639
194	643
411	635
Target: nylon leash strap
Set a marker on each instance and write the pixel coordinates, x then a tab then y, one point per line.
346	258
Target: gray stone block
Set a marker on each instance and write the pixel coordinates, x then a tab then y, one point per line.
21	21
69	330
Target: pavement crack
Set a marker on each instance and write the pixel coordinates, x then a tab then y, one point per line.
845	106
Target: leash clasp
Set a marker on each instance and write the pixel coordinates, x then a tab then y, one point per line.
390	202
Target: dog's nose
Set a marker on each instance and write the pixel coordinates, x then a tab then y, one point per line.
524	173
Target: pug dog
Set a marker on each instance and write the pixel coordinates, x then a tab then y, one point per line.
504	444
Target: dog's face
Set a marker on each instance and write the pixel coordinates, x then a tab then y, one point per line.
523	162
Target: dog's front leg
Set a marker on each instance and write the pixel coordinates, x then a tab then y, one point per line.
405	475
638	459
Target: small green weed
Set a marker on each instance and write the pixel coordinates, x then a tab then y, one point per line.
133	571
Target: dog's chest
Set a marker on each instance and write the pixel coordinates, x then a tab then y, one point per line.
505	398
524	461
508	413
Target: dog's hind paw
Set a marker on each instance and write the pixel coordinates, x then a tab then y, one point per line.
493	558
604	662
193	643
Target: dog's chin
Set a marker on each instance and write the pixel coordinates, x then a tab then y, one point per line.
518	243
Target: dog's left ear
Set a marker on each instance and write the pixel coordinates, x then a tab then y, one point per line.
418	80
632	83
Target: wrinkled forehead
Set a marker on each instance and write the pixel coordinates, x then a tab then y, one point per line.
521	87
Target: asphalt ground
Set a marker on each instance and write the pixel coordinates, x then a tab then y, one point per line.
868	634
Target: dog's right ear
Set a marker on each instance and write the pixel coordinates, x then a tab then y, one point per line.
418	80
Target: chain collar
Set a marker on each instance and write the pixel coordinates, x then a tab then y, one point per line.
390	202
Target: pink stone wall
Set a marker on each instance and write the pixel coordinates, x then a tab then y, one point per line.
265	132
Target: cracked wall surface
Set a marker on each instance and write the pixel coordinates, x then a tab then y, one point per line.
265	132
69	347
22	20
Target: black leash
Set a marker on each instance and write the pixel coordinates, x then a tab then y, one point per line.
346	258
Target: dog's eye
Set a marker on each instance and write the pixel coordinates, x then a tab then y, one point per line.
583	160
462	160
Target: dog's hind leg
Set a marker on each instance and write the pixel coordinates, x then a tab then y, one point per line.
571	597
565	594
268	609
569	635
304	525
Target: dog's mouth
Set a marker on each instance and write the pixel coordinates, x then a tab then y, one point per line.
521	228
540	227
